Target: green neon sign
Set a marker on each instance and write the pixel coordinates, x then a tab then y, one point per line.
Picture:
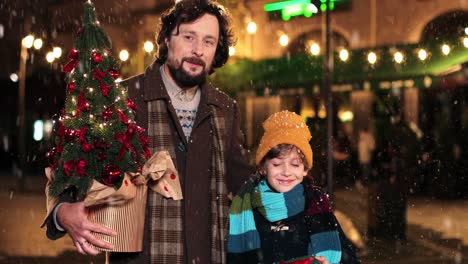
297	10
293	8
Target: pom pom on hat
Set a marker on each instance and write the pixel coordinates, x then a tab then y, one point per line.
285	128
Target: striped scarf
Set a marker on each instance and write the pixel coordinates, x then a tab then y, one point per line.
274	206
167	233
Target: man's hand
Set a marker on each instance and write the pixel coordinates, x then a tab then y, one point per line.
73	218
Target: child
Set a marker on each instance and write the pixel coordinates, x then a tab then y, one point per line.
279	216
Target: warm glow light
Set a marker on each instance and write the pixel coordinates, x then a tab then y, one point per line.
322	113
90	89
346	116
232	51
118	80
284	40
14	77
28	41
57	52
124	55
445	49
465	42
252	27
37	43
50	57
422	54
148	46
315	49
372	57
398	57
466	30
344	54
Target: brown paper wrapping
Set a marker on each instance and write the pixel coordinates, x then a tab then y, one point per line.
124	209
126	218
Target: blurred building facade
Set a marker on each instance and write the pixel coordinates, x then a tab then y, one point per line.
358	25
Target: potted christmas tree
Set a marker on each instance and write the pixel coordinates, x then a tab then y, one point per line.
99	149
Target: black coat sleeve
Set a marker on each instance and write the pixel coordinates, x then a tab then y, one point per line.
52	232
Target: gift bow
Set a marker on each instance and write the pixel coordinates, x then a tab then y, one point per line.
162	177
158	173
98	75
73	55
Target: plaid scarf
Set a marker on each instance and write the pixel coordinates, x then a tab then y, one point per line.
167	232
274	206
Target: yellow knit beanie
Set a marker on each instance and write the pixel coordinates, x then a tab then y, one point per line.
285	128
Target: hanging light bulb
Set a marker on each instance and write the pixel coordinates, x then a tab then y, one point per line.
398	57
372	57
344	54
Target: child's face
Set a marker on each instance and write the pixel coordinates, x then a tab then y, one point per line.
285	172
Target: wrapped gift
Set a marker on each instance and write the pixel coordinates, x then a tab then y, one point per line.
123	210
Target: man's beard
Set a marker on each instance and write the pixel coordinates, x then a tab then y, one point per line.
183	79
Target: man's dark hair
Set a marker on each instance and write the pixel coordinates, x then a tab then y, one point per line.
187	11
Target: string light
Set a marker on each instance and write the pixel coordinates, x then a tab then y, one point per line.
422	54
372	57
284	40
91	89
251	27
445	49
232	51
344	55
148	46
123	55
398	57
315	49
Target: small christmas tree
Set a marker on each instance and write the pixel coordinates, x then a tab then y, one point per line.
96	137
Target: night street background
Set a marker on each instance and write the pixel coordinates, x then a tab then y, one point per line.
437	229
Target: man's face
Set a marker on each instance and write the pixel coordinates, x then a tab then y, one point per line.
191	52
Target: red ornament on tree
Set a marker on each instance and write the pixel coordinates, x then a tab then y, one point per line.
69	134
71	87
113	73
86	147
110	174
97	58
131	104
107	113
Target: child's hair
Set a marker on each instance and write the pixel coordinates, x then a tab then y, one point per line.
282	150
